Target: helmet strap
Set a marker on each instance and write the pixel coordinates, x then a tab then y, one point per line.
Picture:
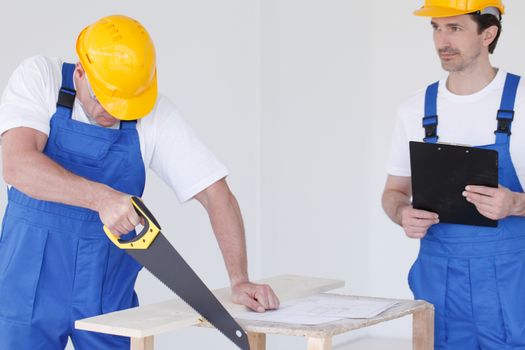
491	10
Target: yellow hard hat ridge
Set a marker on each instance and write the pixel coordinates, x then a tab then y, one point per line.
119	58
449	8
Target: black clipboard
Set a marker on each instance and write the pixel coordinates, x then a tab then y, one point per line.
440	173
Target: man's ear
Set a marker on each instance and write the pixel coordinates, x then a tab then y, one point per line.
79	70
489	35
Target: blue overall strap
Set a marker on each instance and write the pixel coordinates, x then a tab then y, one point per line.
127	124
66	96
430	120
506	109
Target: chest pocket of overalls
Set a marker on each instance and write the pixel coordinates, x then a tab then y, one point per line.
81	150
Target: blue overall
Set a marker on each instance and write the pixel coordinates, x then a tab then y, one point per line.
475	276
56	263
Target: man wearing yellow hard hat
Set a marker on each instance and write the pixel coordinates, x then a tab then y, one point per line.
76	142
474	276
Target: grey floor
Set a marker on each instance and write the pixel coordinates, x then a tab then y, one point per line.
376	344
365	343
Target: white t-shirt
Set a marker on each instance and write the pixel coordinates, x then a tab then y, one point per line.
468	120
168	145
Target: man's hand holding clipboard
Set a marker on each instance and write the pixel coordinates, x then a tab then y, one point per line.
494	203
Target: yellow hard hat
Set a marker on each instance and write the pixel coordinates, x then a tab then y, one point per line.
449	8
118	56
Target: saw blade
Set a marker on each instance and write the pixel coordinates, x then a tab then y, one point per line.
165	263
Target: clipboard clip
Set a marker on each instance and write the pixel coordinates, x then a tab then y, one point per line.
454	144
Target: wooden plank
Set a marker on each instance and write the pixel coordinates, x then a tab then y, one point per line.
145	321
257	341
323	343
423	329
140	322
142	343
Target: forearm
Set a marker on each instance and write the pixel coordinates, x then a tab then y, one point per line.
393	201
226	220
38	176
229	230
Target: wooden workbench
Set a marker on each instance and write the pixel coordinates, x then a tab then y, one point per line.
144	322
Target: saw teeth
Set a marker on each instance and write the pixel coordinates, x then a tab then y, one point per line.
202	318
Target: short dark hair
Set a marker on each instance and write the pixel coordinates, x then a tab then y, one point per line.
486	21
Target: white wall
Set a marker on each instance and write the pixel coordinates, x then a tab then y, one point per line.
298	98
313	159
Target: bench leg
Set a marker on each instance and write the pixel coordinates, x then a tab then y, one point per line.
142	343
314	343
423	329
257	341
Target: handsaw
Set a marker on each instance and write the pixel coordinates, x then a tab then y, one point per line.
152	250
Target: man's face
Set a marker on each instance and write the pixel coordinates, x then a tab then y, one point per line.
95	109
457	42
89	102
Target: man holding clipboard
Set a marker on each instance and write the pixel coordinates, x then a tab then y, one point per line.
474	275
